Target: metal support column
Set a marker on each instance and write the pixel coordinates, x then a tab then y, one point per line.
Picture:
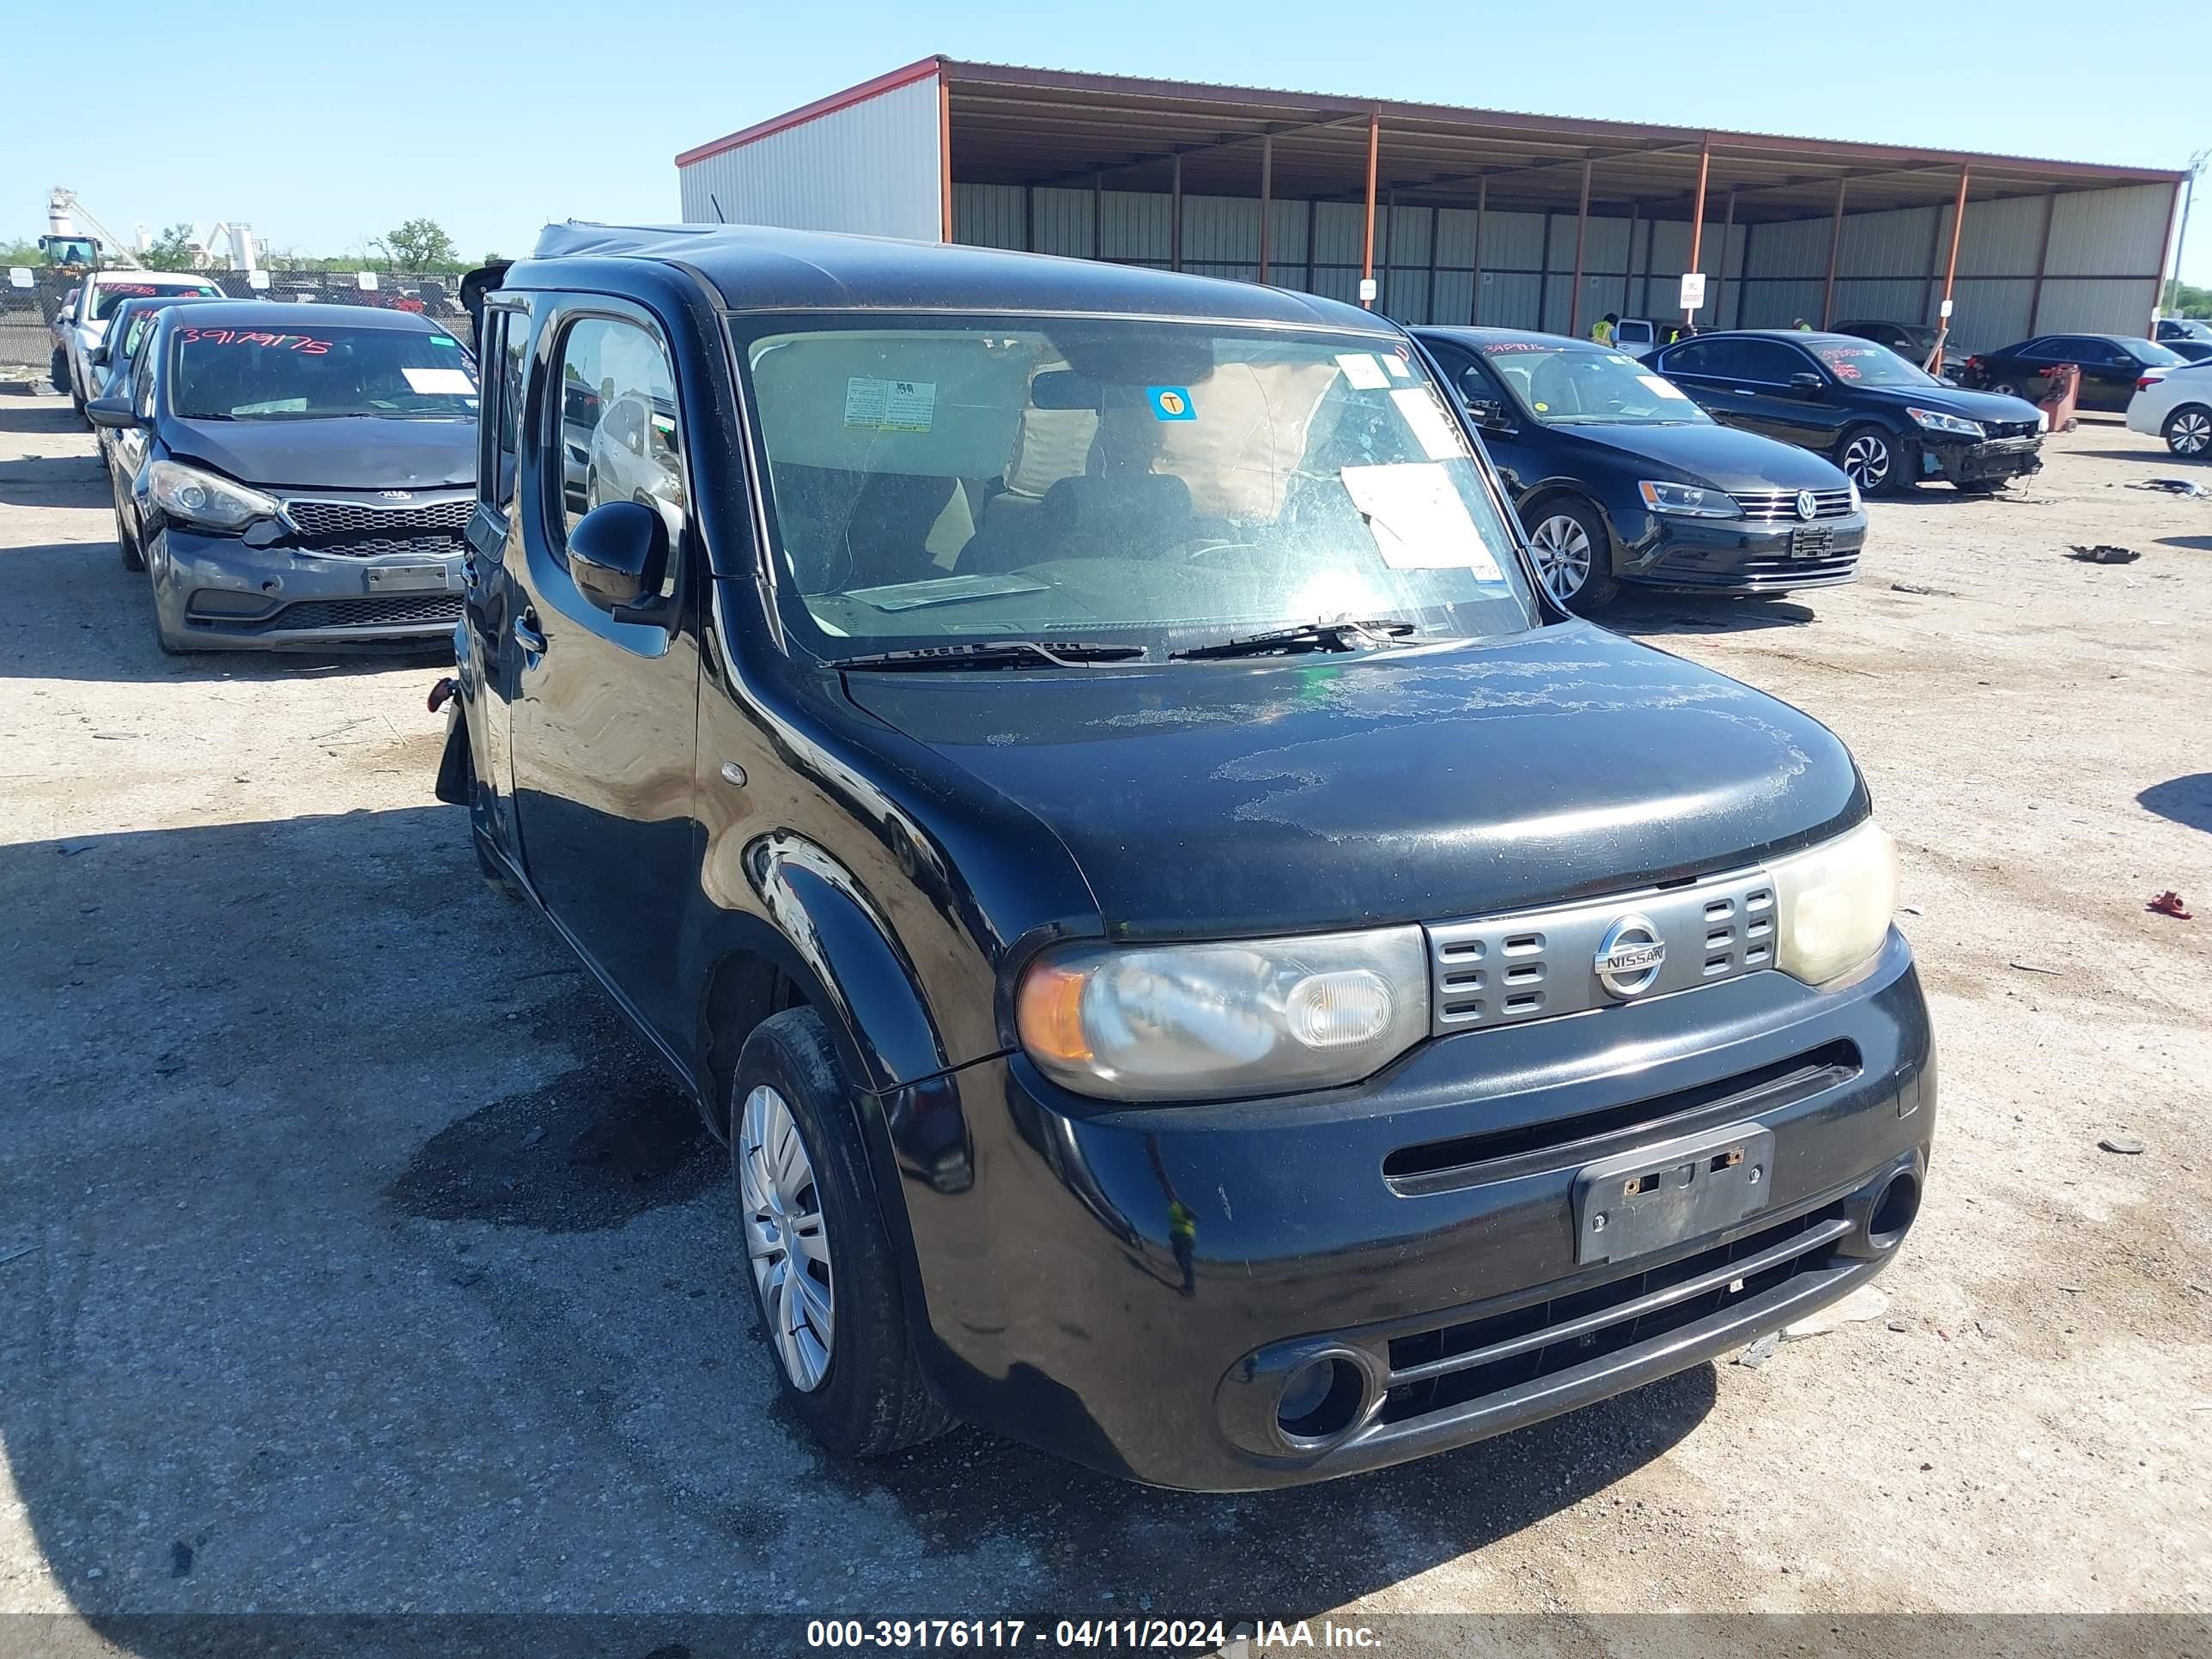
1313	224
1698	214
2042	259
1029	219
1098	216
1950	272
944	159
1835	247
1267	199
1581	229
1475	296
1367	256
1175	223
1628	262
1429	302
1720	277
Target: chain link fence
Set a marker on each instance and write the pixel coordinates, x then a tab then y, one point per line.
30	298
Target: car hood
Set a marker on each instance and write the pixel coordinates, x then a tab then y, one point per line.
1724	456
1333	791
338	455
1953	400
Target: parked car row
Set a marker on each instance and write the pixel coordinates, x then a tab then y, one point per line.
82	323
1203	965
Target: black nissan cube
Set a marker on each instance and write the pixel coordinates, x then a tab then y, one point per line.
1201	965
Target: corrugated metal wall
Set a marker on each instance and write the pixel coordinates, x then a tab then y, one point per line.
1424	258
871	167
2104	248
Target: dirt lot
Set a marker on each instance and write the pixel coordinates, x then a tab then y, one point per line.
353	1259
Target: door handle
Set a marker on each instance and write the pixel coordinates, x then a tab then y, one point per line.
526	634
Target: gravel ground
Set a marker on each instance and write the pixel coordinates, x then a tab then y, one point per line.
354	1259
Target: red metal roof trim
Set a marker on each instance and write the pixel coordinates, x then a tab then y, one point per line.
821	107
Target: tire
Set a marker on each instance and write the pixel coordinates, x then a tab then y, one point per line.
837	1334
2006	389
1874	459
170	644
2188	432
133	556
1573	553
57	370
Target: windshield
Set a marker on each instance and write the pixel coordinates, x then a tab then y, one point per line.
1861	363
2152	353
1579	385
111	295
318	372
1127	482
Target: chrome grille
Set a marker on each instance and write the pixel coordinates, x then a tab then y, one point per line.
323	517
1539	964
1780	505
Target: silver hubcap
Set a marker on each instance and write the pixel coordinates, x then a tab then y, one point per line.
786	1237
1562	548
1866	463
2190	433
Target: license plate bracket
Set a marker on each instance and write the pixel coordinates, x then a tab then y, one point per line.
1811	542
1659	1195
405	577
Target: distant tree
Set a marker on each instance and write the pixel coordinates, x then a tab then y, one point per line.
25	252
2191	301
172	250
491	258
418	245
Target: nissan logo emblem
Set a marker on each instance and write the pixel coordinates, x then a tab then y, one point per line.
1629	957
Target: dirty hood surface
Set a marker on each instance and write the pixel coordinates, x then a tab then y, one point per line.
1331	790
363	454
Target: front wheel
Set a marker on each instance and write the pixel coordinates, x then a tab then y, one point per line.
126	544
2006	389
2188	431
1574	555
1871	460
57	370
825	1285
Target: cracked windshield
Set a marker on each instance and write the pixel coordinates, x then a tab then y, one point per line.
1135	486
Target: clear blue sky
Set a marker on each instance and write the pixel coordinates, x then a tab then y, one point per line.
326	124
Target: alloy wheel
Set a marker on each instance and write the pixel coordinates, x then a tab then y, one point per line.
1866	463
1562	548
2189	432
787	1237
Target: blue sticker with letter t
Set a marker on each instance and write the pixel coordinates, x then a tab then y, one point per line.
1171	402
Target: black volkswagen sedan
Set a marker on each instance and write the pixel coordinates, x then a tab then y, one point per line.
299	476
2111	366
1887	423
1619	477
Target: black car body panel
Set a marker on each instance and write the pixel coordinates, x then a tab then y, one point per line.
723	825
2111	364
1759	552
365	551
1780	382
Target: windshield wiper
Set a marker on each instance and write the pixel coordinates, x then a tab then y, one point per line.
996	653
1306	636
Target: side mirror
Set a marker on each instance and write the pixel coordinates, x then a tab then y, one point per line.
97	356
110	412
618	556
1806	383
1490	415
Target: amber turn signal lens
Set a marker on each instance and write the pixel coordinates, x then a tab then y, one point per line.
1049	1013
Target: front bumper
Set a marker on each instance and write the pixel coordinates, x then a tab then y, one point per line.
1967	461
223	593
1132	1288
1735	555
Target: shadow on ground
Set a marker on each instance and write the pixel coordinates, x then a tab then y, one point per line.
1647	614
21	415
2185	800
362	1259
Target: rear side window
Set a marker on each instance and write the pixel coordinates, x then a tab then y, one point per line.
505	342
1768	362
619	439
1703	357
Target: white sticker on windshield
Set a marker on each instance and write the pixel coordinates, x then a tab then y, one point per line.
1664	388
1418	518
891	405
1362	370
432	382
1397	365
1438	441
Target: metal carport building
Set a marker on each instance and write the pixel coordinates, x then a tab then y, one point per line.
1455	215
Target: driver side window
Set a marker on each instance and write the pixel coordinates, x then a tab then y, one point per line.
615	382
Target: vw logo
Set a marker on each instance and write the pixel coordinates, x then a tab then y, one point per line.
1629	955
1807	507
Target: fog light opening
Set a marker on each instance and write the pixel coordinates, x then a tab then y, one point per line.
1320	1400
1894	1210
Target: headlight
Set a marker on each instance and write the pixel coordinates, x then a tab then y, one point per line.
186	492
1852	484
2042	419
1192	1022
1833	903
1936	421
1687	500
